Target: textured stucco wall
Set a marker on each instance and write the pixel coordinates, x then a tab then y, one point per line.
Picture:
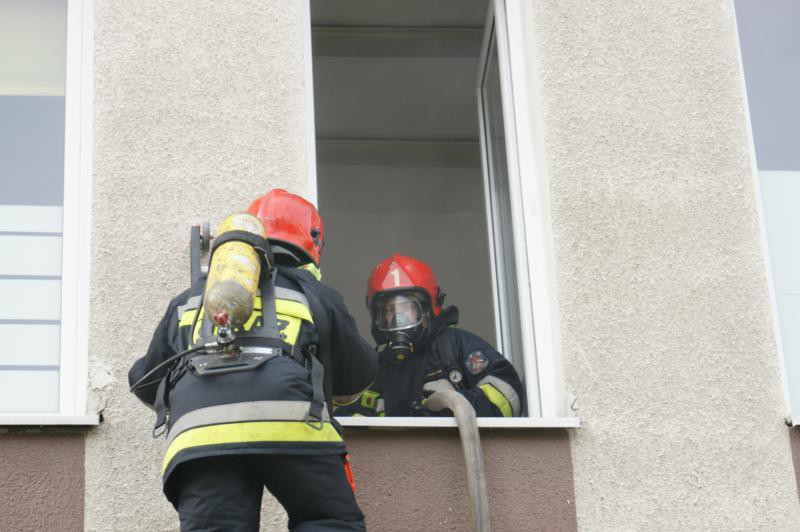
416	479
41	481
199	107
666	325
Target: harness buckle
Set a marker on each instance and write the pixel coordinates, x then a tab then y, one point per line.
316	423
161	429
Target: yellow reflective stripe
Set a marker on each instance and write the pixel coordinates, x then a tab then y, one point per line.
251	320
196	332
313	269
369	399
287	310
289	307
293	308
243	412
250	432
291	329
187	318
497	399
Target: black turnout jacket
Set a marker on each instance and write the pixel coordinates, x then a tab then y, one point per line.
463	359
265	410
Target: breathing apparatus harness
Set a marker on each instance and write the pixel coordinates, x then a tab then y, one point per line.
444	344
227	352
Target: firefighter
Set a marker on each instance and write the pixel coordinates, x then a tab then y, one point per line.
232	433
421	352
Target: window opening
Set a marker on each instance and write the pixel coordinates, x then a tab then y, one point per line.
410	162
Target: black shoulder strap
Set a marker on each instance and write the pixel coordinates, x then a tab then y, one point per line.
445	346
323	326
269	313
444	343
259	243
268	332
418	381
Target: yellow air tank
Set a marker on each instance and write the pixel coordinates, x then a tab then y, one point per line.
233	275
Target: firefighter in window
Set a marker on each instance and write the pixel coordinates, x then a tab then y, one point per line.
421	352
249	407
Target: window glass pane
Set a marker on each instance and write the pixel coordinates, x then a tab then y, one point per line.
32	149
33	37
32	82
30	299
30	219
30	344
770	39
28	391
770	42
30	255
780	193
500	204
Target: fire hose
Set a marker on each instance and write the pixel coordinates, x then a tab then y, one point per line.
473	454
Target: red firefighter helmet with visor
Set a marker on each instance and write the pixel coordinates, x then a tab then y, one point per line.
400	274
291	220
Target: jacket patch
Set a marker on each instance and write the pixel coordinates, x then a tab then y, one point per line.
477	362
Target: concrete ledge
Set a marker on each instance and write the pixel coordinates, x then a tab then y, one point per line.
88	420
449	422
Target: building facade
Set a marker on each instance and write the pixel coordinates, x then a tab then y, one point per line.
609	183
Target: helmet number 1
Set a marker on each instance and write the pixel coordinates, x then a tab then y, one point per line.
396	275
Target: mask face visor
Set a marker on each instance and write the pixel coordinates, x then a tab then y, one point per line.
396	312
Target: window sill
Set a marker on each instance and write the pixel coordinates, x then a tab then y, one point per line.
449	422
58	420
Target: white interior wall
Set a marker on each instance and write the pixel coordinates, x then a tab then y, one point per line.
431	213
395	89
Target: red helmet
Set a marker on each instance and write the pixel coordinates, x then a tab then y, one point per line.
399	273
290	219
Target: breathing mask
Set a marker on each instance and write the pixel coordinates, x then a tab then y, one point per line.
399	319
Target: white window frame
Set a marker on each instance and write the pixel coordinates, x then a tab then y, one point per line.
530	209
311	133
76	239
539	311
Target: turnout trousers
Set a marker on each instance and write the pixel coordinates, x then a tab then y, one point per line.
223	493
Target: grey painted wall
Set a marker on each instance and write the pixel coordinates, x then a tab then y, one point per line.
416	480
41	480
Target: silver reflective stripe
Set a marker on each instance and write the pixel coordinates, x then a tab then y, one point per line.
248	411
191	304
266	351
380	407
507	390
292	295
